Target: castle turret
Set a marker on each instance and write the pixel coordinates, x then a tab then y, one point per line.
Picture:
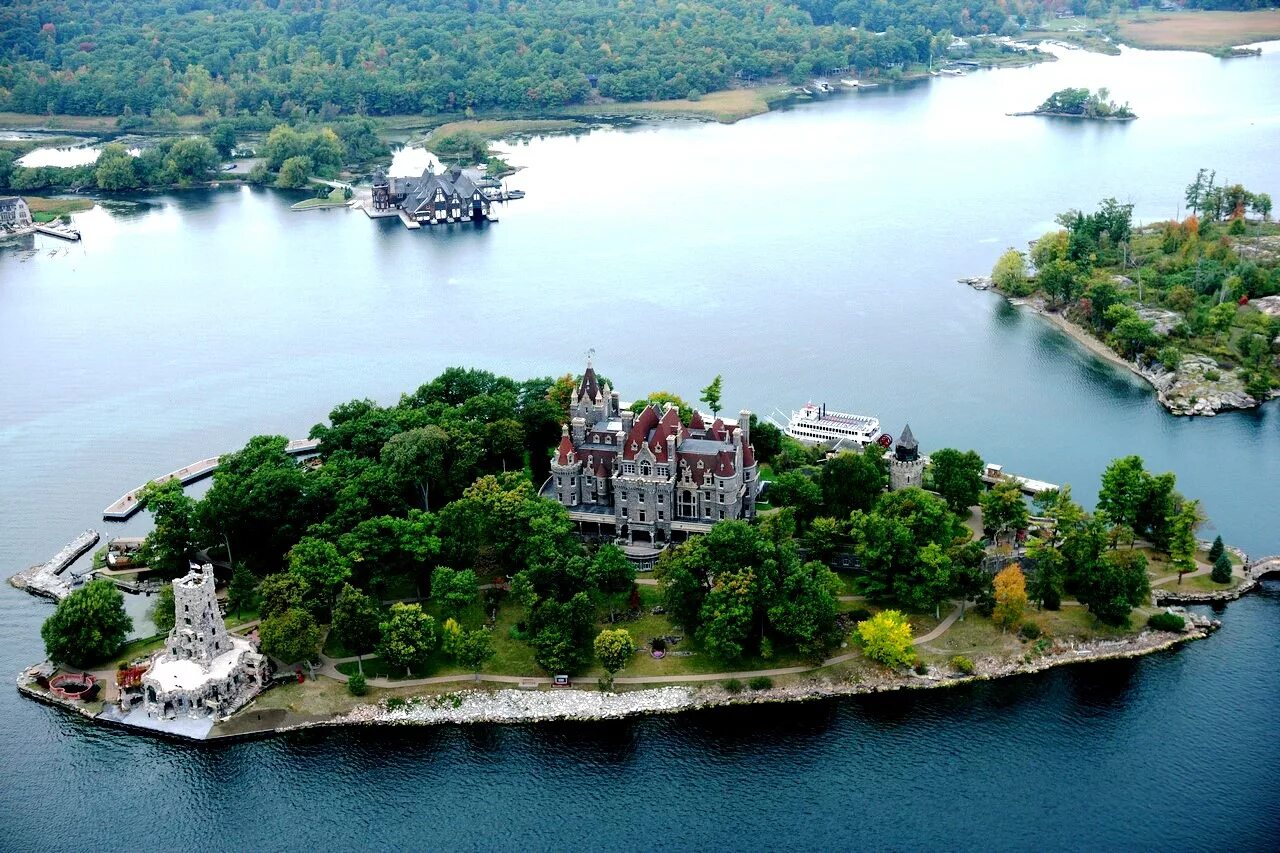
906	468
198	633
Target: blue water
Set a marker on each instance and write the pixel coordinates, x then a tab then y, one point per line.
805	254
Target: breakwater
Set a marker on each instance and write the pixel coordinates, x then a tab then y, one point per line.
46	578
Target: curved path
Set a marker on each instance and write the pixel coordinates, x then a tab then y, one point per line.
330	669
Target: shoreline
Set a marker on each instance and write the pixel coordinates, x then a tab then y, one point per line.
1161	382
509	706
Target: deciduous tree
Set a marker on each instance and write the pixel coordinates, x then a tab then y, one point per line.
88	626
290	637
957	477
614	648
357	622
409	637
886	638
1011	597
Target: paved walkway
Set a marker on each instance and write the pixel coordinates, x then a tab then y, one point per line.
329	668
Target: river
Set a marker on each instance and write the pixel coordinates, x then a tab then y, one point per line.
806	254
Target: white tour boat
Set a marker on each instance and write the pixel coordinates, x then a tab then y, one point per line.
816	424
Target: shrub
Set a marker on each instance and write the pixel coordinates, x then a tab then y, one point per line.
760	682
962	665
1029	631
395	703
733	685
1212	375
766	648
1166	621
886	638
356	685
922	668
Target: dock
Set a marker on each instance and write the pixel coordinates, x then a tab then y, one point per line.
46	578
126	506
993	473
65	233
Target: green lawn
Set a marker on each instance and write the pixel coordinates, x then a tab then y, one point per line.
1200	583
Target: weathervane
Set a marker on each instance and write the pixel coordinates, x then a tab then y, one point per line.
591	353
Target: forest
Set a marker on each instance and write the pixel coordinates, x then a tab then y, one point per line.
221	58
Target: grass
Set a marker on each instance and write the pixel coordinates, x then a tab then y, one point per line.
143	647
727	106
1207	31
1200	583
498	128
337	196
48	209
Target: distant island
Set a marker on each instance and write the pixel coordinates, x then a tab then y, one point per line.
1192	306
1083	103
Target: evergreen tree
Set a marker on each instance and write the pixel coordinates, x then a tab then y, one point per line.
1216	550
1221	569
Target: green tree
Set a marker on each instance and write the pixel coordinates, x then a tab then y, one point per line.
191	159
799	491
294	173
113	171
660	399
356	622
1115	584
1221	569
242	590
322	568
88	626
409	637
290	637
853	480
419	456
1124	488
281	592
1003	508
282	143
1045	586
614	648
711	395
162	612
1182	538
223	138
1216	549
475	650
930	583
886	638
957	477
727	614
610	569
804	609
1010	273
454	591
170	545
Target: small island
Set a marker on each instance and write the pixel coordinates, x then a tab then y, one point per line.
517	537
1082	103
1191	306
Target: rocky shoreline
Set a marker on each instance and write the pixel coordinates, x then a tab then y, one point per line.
1199	386
516	706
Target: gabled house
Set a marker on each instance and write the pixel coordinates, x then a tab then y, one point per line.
430	198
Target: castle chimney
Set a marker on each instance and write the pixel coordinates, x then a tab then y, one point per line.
579	430
744	425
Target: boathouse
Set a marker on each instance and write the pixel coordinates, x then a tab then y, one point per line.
14	213
432	199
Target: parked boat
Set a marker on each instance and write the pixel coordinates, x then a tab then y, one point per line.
815	424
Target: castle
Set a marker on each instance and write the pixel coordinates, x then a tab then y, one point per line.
202	671
648	477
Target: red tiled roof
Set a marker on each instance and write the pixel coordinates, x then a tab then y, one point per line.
566	447
696	421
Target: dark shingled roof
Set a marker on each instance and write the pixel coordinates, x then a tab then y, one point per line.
589	388
908	441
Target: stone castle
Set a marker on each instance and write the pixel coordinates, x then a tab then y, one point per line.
202	671
649	478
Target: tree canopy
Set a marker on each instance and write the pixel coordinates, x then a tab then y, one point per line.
88	626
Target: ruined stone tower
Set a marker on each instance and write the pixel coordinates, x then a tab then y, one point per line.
198	634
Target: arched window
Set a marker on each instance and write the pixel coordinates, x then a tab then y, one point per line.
646	469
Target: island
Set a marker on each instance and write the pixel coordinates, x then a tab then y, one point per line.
488	549
1082	103
1191	306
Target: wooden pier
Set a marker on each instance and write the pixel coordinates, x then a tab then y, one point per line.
126	506
66	233
46	578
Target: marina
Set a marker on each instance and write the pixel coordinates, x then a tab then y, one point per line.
127	505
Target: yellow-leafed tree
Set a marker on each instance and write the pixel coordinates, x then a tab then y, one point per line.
886	638
1011	596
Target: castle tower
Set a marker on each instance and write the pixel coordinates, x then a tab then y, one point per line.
906	468
198	633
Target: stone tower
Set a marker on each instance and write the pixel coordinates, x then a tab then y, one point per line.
906	468
198	634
